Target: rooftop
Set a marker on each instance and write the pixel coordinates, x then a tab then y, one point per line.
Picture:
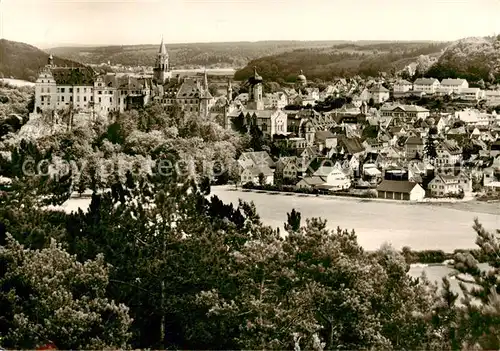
397	186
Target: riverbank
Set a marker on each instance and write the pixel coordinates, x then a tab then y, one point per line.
487	207
467	204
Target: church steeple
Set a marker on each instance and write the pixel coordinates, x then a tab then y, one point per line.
163	49
229	90
205	80
162	69
50	61
255	101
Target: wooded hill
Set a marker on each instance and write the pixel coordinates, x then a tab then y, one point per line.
342	60
471	58
217	55
23	61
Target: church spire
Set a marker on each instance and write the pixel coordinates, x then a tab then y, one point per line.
205	79
162	71
229	90
163	49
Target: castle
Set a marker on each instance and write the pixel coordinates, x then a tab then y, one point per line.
82	90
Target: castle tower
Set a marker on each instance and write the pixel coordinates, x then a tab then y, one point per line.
255	100
162	69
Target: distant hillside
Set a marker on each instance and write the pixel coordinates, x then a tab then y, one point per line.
342	60
472	58
211	55
23	61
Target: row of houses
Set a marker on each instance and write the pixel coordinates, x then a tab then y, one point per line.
332	152
458	88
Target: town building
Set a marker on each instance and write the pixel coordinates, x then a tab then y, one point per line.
82	90
270	122
426	85
471	94
404	112
492	97
454	86
400	190
379	94
444	185
449	154
256	167
402	86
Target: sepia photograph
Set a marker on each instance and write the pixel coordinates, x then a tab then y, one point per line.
250	175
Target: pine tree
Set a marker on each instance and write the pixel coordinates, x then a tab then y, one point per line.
293	222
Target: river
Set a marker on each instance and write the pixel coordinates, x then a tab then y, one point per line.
419	226
401	224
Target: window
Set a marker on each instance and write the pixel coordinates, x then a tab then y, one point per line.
62	90
91	98
84	99
78	99
84	90
70	90
62	98
77	90
71	98
111	100
42	91
99	92
58	90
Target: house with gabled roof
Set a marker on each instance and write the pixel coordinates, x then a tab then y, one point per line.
287	167
349	146
325	139
426	85
404	112
252	164
400	190
253	173
443	184
448	154
402	86
414	145
335	179
454	85
379	94
256	158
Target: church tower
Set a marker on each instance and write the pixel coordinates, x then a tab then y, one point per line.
255	100
162	69
229	91
205	97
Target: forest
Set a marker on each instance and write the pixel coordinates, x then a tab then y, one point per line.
23	61
339	61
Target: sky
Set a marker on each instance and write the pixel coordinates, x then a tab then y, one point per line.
50	23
